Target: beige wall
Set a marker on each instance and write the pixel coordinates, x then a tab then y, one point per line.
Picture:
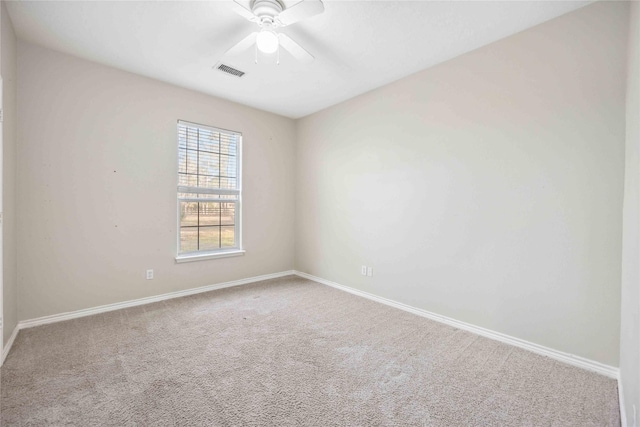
487	189
630	315
97	160
9	272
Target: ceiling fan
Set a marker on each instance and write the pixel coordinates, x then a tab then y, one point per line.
270	15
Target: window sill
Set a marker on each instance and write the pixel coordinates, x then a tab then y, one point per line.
210	255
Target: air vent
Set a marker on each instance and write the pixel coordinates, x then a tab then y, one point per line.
229	70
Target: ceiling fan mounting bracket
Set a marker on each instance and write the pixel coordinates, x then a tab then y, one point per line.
267	11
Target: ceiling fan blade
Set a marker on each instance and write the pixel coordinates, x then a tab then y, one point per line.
243	11
243	45
299	11
295	49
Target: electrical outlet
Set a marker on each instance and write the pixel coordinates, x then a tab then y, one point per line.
369	271
363	270
149	274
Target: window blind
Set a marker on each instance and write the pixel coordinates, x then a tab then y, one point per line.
208	188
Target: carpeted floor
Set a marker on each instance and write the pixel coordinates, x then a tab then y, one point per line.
287	352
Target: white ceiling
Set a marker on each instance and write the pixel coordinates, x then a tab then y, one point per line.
358	45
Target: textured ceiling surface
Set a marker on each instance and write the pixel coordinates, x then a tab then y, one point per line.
358	45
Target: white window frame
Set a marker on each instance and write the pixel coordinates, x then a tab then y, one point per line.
216	253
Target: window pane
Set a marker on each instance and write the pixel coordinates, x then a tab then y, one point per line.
228	237
187	195
192	138
228	183
208	197
188	180
188	214
209	238
228	144
182	161
228	166
227	213
208	181
192	162
209	164
188	239
209	141
209	213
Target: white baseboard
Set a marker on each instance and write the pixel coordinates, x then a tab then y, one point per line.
623	412
570	359
141	301
6	349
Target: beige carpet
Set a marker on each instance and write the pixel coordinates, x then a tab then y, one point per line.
287	352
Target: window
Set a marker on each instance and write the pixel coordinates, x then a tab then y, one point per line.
209	192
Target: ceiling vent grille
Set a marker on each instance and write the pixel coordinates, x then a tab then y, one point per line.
229	70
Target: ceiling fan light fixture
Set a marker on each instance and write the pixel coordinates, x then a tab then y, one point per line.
267	41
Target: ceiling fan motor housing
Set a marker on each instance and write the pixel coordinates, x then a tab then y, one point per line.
266	11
